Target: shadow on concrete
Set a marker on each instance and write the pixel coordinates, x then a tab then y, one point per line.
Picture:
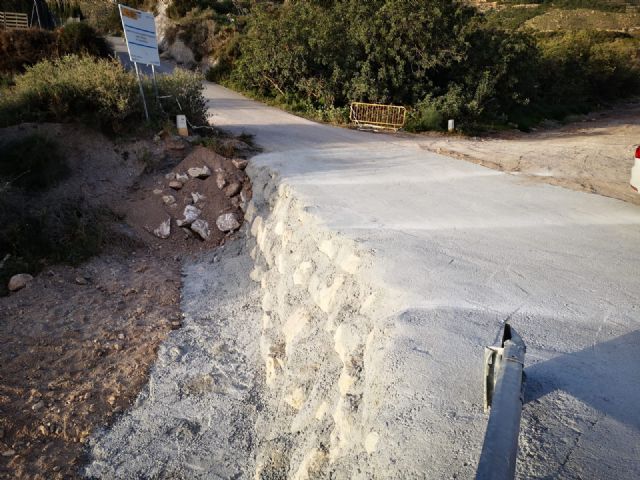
605	376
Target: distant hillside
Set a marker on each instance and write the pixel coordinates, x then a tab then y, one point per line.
558	15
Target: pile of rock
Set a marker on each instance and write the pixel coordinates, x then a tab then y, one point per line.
204	188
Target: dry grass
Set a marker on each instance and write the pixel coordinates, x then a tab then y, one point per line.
584	19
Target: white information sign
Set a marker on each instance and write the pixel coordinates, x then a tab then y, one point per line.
140	34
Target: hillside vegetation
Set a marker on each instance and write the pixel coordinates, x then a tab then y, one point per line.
511	63
442	59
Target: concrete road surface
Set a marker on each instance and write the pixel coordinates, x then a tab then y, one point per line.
466	248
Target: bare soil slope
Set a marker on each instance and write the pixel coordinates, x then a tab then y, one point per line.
77	343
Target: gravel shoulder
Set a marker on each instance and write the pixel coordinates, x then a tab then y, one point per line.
593	155
195	418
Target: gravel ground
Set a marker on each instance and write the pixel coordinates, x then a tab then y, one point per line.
195	419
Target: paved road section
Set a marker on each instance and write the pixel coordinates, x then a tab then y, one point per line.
466	248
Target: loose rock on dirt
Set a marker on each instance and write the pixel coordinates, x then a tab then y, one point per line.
164	230
227	222
19	281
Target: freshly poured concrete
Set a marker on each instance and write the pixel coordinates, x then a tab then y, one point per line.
452	250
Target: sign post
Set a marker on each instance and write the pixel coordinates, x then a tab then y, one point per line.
142	42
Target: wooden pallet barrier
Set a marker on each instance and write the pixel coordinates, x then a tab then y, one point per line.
14	20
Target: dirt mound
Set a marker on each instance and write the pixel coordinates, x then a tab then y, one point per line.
76	343
221	188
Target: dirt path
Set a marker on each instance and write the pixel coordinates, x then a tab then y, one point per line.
594	155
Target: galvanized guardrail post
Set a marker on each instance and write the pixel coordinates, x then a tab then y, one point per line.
504	381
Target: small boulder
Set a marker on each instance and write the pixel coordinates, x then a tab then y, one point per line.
220	180
202	172
197	197
170	176
227	222
157	191
169	199
175	184
232	189
191	214
201	227
164	230
80	280
182	177
240	163
19	281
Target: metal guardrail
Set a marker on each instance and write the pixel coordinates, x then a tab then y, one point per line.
14	20
503	396
373	115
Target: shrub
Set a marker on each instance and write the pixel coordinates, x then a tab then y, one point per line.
32	163
579	70
22	48
98	92
443	58
78	37
183	90
317	55
72	88
180	8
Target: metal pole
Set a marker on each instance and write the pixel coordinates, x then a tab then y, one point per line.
144	102
35	4
503	393
155	85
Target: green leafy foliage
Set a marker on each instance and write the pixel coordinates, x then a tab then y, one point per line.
179	8
79	37
22	48
99	92
441	58
581	69
437	54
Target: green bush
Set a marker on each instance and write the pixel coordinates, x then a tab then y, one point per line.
81	38
179	8
97	92
443	58
322	55
32	163
183	90
72	89
583	69
22	48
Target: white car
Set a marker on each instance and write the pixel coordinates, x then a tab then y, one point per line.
635	172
